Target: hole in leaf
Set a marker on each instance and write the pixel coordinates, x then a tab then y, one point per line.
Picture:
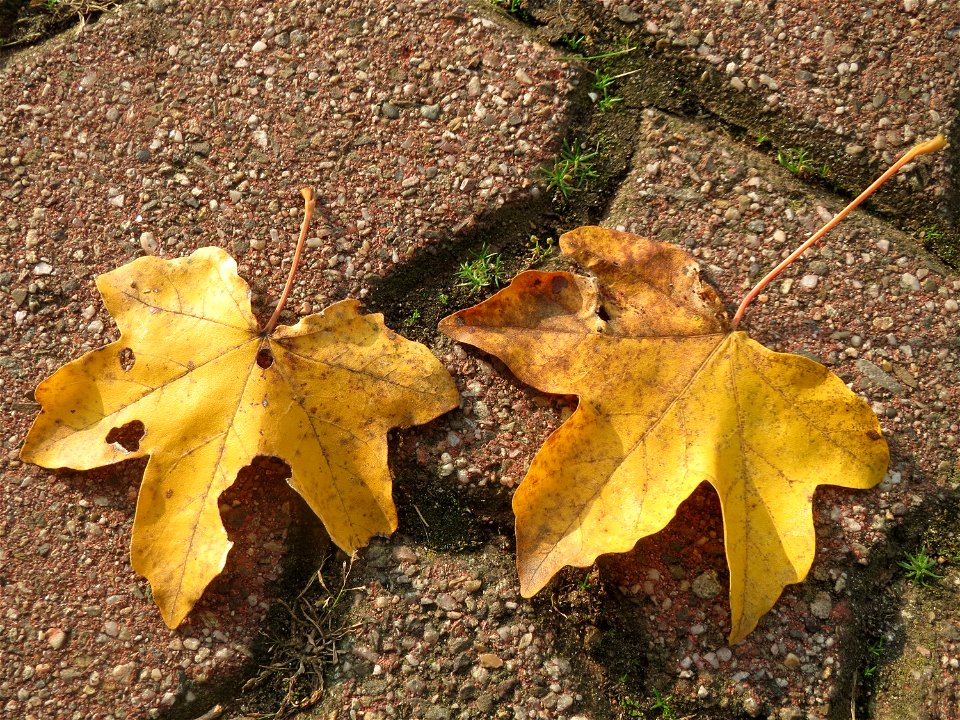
127	359
264	358
127	436
603	314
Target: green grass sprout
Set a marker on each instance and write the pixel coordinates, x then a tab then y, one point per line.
481	272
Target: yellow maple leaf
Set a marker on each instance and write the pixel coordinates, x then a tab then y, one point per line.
213	391
669	397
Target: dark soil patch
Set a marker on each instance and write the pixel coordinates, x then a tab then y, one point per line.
905	615
24	23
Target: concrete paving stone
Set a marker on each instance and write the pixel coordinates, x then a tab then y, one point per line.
852	84
196	123
699	174
192	124
807	656
917	664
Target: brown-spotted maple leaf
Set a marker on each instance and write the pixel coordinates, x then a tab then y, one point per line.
669	397
213	391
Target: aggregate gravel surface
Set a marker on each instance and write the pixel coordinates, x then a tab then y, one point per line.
162	128
865	303
860	81
923	678
165	127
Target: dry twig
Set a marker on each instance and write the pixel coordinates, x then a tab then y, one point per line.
300	656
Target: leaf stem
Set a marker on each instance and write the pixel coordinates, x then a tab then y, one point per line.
309	203
921	149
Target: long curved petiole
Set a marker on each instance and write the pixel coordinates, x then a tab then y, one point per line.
923	148
309	203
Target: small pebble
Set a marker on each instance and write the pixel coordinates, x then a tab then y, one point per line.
628	15
430	112
522	76
910	282
821	606
123	674
149	243
706	586
404	554
809	282
56	637
490	660
389	111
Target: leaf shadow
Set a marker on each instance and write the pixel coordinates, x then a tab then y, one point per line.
278	543
433	510
661	568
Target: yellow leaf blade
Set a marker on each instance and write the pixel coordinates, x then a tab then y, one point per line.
179	543
541	320
213	393
612	472
586	495
669	398
812	430
648	288
350	380
151	292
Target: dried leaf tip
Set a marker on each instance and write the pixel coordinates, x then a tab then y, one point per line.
937	143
